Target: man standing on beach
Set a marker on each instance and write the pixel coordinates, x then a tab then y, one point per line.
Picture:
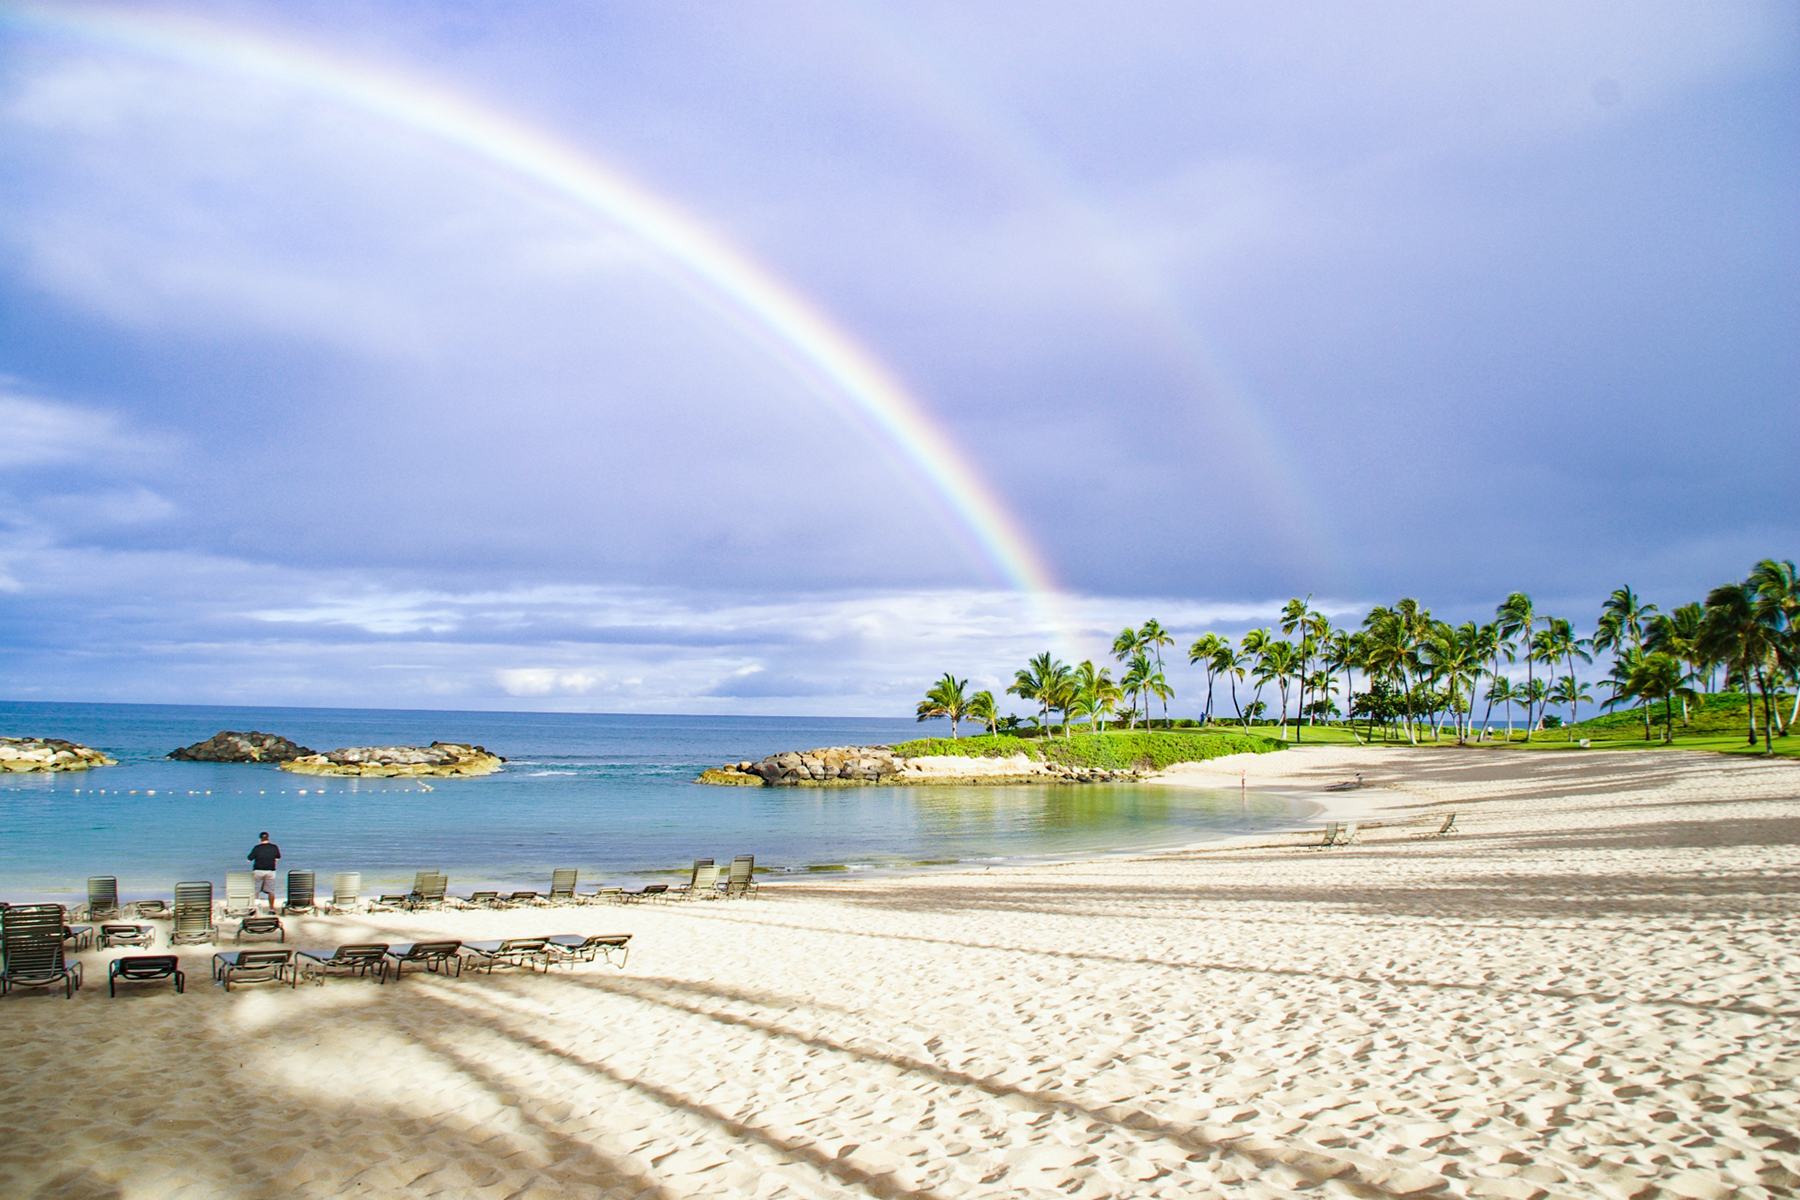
263	856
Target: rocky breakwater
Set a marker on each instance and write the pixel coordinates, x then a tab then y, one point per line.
857	766
382	762
49	754
227	746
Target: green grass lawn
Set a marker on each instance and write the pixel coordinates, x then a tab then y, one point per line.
1113	750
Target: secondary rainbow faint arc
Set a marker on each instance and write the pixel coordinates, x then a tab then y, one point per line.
853	373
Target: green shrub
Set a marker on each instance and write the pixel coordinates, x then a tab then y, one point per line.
1100	751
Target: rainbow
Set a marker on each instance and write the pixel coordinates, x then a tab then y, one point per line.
826	357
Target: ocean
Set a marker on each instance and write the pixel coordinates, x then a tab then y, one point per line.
611	795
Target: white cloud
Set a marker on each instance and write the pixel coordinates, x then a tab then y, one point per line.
545	681
34	432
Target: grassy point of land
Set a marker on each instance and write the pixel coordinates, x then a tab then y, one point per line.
1109	751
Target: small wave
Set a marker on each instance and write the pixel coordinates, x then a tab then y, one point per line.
535	774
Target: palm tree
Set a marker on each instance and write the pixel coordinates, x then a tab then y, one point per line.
1135	683
1391	651
1557	641
1533	694
1255	642
1294	616
1515	618
1677	634
981	708
945	699
1500	691
1338	652
1228	661
1159	687
1569	691
1095	693
1622	620
1205	652
1657	676
1153	637
1279	661
1777	587
1040	680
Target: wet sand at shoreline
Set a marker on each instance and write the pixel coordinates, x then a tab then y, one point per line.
1591	991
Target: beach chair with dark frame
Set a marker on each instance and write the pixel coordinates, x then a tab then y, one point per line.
650	891
193	915
437	957
79	937
31	950
127	935
346	892
103	897
512	952
562	885
358	958
302	887
741	883
144	968
1328	841
154	909
572	947
254	966
261	926
703	884
240	894
520	899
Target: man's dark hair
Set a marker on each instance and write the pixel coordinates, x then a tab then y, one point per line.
264	835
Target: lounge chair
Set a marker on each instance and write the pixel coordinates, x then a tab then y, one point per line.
562	885
79	937
484	899
359	958
301	886
390	902
260	927
103	897
1328	841
144	968
572	947
1348	834
346	892
518	898
433	956
31	937
127	935
704	885
240	894
1445	830
516	952
650	891
193	915
428	890
254	966
155	909
612	895
741	883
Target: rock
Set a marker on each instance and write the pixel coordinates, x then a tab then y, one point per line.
439	758
227	746
49	754
729	776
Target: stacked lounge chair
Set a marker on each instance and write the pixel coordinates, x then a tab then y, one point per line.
31	939
300	892
240	894
103	897
741	883
193	914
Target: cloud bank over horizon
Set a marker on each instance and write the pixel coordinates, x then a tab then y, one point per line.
301	406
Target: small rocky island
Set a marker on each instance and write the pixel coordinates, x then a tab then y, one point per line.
49	754
860	766
382	762
228	746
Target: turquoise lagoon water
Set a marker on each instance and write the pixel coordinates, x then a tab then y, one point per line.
611	795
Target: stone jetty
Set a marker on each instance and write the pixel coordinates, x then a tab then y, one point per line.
228	746
49	754
862	766
439	758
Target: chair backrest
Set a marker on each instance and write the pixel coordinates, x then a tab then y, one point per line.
523	896
251	960
359	952
346	887
146	966
742	868
482	897
529	945
699	865
1347	834
300	889
434	949
193	906
706	879
33	939
103	893
562	882
655	889
1449	823
121	928
432	886
1331	832
240	889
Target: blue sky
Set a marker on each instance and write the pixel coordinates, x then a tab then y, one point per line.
1226	303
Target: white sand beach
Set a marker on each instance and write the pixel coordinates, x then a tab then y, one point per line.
1594	990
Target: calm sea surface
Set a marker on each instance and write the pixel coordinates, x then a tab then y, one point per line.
610	795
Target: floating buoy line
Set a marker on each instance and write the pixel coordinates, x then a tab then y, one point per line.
209	791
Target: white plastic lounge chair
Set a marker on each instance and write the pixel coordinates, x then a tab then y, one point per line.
346	892
741	883
240	894
562	885
254	966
